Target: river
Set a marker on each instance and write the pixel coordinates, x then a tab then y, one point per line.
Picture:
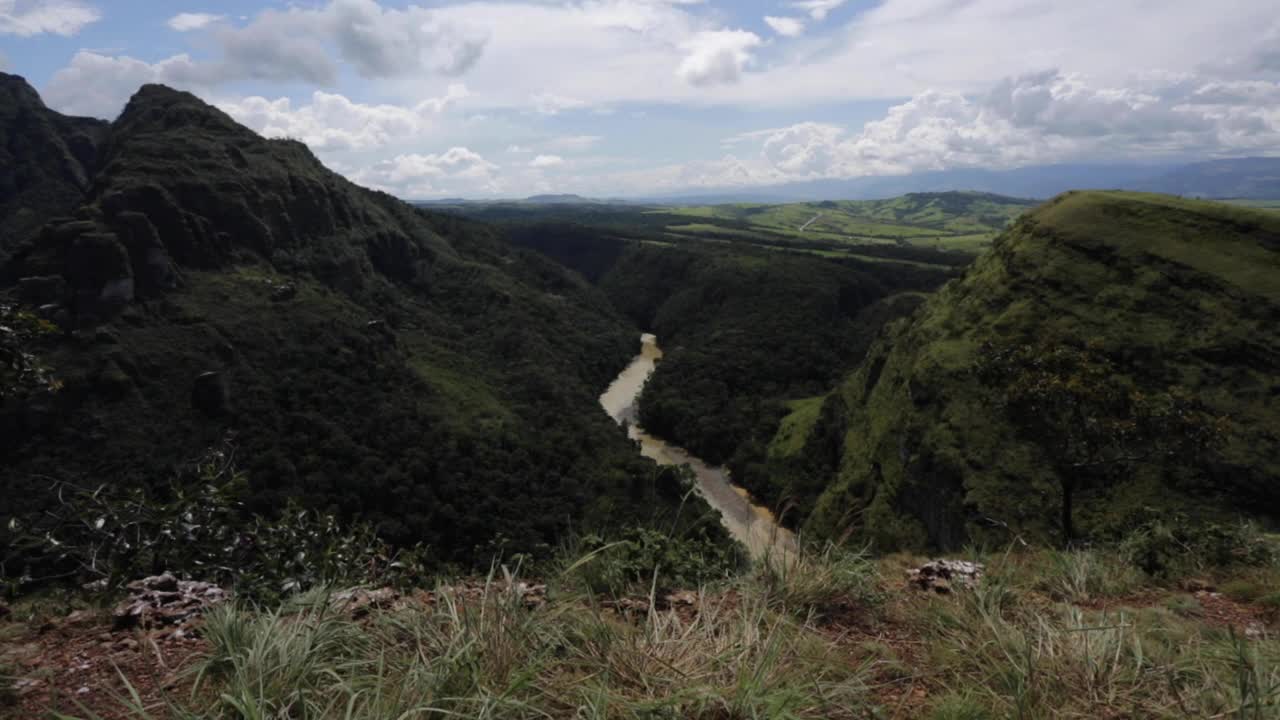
752	525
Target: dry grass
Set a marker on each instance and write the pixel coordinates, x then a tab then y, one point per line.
1045	635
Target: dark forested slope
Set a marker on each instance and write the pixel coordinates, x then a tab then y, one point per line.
47	160
364	356
745	330
1114	352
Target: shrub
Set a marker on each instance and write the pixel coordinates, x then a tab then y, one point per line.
197	528
21	369
815	582
1165	546
1184	605
644	558
1245	591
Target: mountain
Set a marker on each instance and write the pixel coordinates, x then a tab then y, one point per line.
1112	352
563	199
1246	178
1253	178
47	160
362	356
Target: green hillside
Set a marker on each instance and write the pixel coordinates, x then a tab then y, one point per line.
209	287
960	221
1115	324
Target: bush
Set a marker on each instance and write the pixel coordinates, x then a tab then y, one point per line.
1245	591
197	528
641	558
1165	546
21	370
814	582
1184	605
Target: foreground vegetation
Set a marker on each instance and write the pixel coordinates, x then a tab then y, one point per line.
1045	634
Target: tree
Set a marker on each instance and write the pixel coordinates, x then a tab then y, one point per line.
21	371
1082	410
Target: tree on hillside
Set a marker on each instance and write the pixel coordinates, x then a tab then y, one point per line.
20	369
1075	404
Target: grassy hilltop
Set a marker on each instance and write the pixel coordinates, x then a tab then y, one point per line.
1157	299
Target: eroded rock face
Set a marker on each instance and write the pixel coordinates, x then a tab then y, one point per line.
211	395
42	290
165	600
944	576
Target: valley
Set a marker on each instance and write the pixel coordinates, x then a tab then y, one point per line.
748	523
947	455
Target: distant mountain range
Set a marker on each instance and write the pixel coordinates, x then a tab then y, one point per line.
1242	178
1246	178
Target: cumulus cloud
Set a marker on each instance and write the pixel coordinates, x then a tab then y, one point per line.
552	104
785	26
186	22
304	45
98	85
1032	119
546	161
717	57
417	175
26	18
817	9
333	122
386	43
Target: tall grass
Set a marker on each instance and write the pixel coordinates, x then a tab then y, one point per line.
815	581
1064	661
1024	643
730	655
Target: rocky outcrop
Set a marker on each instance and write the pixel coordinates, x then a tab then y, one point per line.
944	576
48	158
165	600
211	395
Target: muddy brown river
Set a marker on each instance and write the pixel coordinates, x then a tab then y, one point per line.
750	524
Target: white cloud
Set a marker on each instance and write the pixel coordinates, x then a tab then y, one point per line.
414	175
717	57
817	9
99	85
785	26
551	104
26	18
385	43
186	22
572	143
1032	119
333	122
292	45
546	161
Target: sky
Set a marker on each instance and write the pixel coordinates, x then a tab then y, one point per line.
452	98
